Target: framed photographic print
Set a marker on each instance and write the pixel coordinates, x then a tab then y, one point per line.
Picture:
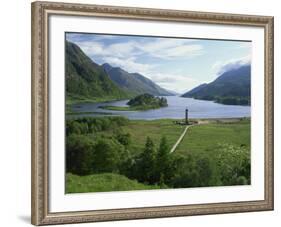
146	113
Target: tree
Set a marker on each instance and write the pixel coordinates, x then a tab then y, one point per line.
74	127
146	165
163	101
79	154
163	162
204	171
148	100
123	138
185	173
107	156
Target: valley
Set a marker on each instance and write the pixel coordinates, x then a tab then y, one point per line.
124	131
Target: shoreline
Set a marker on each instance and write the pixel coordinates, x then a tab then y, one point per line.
173	111
197	120
91	101
216	101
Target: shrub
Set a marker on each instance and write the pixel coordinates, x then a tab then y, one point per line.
87	125
233	162
123	138
79	154
107	156
185	173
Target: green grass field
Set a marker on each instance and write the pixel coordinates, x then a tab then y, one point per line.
103	183
141	129
223	142
117	108
206	137
199	138
76	99
155	129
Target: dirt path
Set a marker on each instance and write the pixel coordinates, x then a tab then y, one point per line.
180	139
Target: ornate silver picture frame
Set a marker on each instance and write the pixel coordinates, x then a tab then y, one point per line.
41	67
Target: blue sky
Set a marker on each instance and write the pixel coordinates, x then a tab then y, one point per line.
173	63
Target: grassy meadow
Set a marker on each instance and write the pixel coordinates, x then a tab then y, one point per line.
103	182
205	138
139	130
117	154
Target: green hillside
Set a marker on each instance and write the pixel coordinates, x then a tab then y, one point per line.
86	80
103	183
232	87
134	83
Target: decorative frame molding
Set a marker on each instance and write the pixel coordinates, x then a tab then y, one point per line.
40	119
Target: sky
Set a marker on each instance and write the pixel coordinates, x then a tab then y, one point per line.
176	64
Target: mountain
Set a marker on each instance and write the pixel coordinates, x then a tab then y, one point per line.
172	92
231	87
195	90
86	80
133	83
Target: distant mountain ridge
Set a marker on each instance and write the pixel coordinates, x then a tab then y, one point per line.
134	83
195	90
86	80
231	87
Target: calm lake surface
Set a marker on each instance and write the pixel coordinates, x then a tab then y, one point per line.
176	109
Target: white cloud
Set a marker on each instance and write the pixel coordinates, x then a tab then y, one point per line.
121	50
158	48
79	37
91	48
220	67
130	55
130	65
171	48
180	51
125	55
160	43
175	82
245	45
